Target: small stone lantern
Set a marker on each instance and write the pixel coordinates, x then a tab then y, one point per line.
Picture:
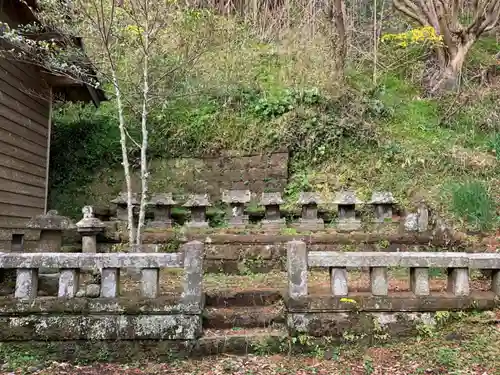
121	202
383	202
198	203
273	219
309	219
236	200
162	210
346	202
89	227
51	226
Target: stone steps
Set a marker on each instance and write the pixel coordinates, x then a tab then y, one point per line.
243	317
241	341
243	310
228	298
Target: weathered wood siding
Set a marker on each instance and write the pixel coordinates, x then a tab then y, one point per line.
24	131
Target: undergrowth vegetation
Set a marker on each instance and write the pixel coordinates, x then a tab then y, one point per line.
253	92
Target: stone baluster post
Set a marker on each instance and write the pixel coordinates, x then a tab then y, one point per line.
297	269
495	282
192	294
383	203
236	200
338	281
198	203
68	283
379	281
419	281
162	210
26	283
273	219
309	219
150	282
346	202
458	281
110	282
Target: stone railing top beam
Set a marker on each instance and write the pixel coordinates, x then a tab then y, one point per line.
309	198
51	221
382	197
95	261
198	200
269	199
346	198
162	199
236	196
122	199
404	259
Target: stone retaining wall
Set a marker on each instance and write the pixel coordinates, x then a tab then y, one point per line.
261	252
212	175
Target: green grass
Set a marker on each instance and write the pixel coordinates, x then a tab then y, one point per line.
256	96
472	203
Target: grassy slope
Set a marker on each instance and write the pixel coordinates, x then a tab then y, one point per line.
422	146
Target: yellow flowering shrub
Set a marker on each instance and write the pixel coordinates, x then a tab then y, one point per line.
134	30
419	36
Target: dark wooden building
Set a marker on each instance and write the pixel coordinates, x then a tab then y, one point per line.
26	95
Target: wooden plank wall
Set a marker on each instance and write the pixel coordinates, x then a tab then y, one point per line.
24	120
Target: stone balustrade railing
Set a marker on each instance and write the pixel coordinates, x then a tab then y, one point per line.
457	264
151	315
110	316
328	313
382	204
110	264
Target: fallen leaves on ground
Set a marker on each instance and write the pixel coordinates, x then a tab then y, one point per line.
376	361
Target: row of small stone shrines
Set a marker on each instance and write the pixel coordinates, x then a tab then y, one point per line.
346	202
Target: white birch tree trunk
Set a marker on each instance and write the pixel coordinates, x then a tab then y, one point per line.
125	161
144	130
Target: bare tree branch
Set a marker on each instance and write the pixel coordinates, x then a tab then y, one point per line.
408	8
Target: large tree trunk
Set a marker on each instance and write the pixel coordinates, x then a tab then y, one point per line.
446	17
447	78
